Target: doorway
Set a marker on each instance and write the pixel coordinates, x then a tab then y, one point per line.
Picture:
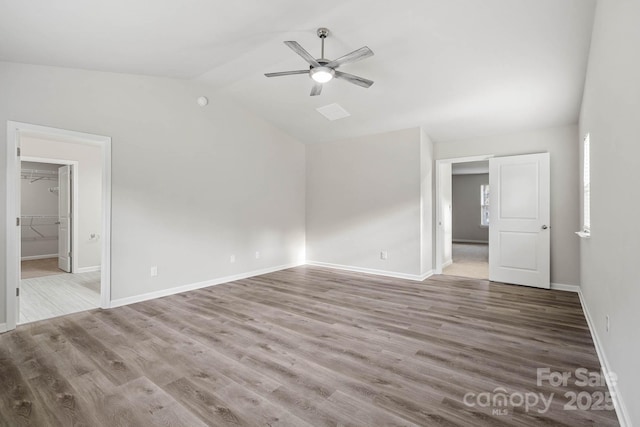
58	250
470	200
50	282
517	215
463	217
47	199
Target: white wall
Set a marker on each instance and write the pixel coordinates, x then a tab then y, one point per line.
191	185
609	259
363	197
36	199
466	212
427	200
89	158
562	144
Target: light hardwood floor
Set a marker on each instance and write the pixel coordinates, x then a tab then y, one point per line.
52	296
304	346
39	268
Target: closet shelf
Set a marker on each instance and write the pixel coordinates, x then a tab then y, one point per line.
34	175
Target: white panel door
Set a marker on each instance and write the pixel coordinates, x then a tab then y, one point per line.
64	218
519	213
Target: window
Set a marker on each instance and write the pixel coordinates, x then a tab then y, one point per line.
484	205
586	185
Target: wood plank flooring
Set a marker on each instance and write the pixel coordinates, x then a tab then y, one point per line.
304	347
39	268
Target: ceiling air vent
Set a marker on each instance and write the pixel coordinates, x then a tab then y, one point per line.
333	112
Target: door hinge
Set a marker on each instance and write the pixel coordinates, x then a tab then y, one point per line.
18	151
17	292
18	221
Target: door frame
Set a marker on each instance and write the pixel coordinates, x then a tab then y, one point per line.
14	129
439	241
74	205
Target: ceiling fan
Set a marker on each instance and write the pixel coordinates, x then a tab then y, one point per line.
322	70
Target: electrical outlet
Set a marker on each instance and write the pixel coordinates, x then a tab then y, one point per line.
384	255
232	258
257	255
608	323
154	271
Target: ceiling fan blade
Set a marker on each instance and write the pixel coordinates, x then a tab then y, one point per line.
316	89
356	80
286	73
356	55
295	46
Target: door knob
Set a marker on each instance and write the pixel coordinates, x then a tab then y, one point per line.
544	227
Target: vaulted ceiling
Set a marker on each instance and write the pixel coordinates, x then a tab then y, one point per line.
458	68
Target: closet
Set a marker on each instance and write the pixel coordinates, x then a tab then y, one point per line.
39	210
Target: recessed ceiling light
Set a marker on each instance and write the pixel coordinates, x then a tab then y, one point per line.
333	112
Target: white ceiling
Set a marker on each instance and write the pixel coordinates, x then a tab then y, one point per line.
458	68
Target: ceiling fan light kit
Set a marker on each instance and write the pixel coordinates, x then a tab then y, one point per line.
322	70
322	74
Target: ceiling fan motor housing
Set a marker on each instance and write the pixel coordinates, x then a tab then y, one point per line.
323	32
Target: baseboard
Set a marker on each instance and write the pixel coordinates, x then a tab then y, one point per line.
426	275
618	403
416	277
32	257
484	242
447	263
193	286
3	327
88	269
563	287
